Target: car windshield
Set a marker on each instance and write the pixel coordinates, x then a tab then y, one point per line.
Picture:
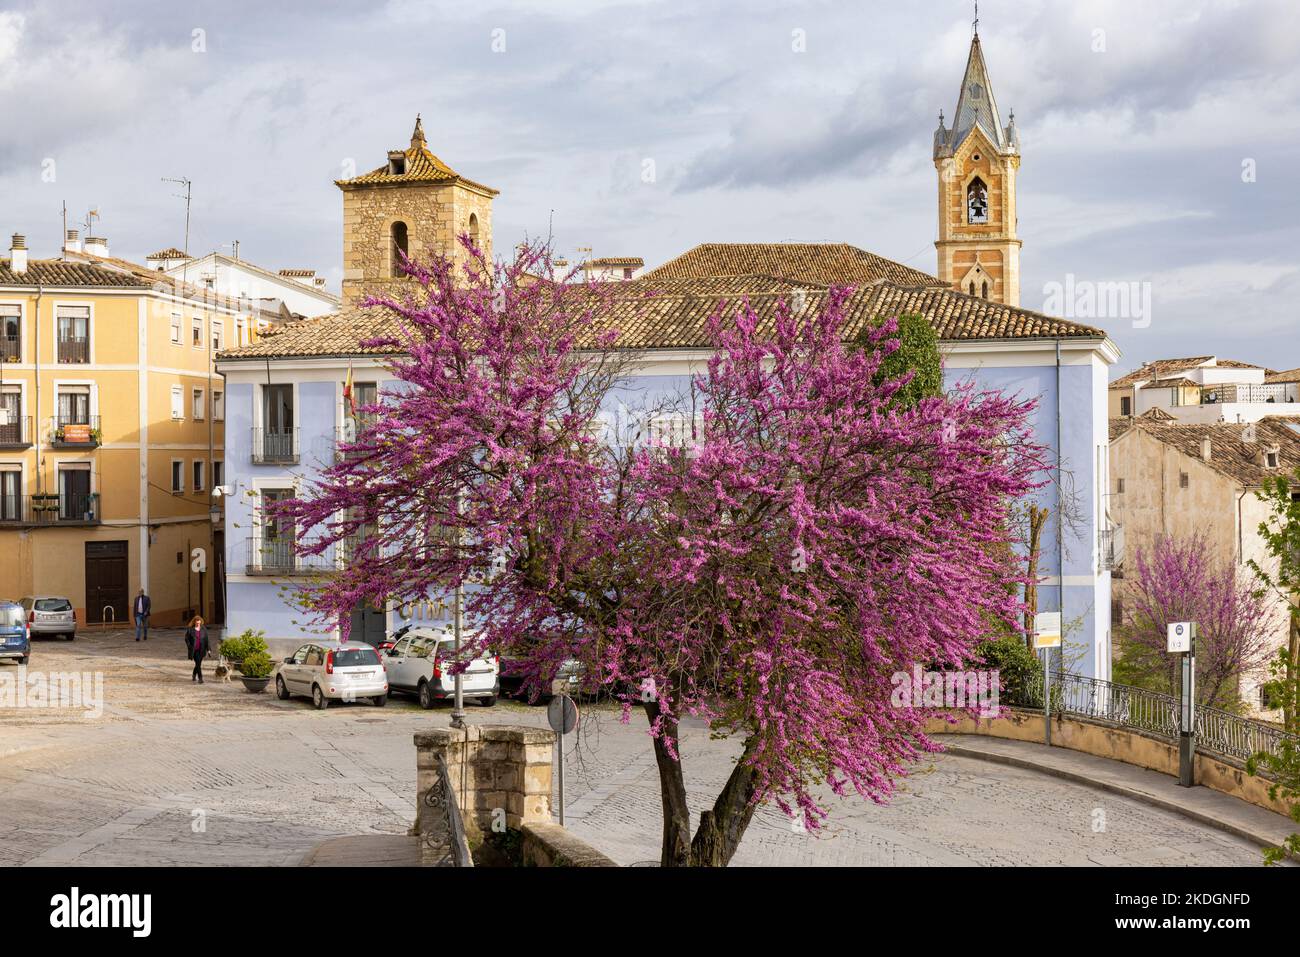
53	604
355	657
11	617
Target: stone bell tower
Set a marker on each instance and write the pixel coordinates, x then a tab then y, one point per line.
977	159
414	204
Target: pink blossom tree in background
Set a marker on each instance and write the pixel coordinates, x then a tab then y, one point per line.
768	575
1181	579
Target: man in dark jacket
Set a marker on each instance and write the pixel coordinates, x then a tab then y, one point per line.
140	609
196	643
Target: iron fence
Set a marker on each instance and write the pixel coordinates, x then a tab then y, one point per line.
444	830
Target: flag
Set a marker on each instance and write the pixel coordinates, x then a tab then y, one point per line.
347	394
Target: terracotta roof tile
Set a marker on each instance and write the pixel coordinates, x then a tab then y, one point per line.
60	272
1230	455
837	263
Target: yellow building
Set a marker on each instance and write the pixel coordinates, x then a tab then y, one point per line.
977	160
111	431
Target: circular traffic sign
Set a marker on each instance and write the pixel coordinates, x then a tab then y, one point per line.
562	714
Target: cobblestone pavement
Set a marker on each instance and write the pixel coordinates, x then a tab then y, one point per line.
174	773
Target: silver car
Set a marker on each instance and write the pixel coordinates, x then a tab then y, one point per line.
50	615
328	671
419	664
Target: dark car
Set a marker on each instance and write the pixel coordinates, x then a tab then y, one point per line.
15	635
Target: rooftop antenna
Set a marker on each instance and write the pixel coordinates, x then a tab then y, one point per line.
184	181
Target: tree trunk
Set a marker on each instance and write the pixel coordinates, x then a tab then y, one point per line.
676	848
722	828
1037	519
1291	699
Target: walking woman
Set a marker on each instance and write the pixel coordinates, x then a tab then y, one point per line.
196	643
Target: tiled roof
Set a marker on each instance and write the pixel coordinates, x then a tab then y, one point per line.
1119	425
172	253
1157	414
1179	381
1290	375
826	263
614	261
420	166
156	279
59	272
673	314
976	106
1229	455
1165	368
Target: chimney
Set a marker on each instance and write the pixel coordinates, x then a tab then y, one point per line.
72	242
18	254
1205	450
96	246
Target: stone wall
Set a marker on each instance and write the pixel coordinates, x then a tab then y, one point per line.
1118	744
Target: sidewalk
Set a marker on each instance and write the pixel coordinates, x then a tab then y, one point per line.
1201	804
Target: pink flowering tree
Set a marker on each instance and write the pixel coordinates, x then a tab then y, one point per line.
801	540
1181	579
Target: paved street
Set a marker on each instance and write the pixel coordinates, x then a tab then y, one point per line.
174	773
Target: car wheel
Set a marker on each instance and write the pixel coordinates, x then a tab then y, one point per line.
380	700
23	660
318	698
426	695
281	689
488	701
72	636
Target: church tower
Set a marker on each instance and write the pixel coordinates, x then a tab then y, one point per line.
977	159
414	204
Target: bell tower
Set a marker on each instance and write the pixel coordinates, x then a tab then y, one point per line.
414	205
977	159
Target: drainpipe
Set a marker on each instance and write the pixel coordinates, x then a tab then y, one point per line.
1060	507
36	401
1241	543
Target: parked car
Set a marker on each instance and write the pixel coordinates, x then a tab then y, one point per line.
50	615
420	664
390	640
15	633
328	671
571	672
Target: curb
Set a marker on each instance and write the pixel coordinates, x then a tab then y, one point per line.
1120	789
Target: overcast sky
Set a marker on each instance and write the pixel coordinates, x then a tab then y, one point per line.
1141	125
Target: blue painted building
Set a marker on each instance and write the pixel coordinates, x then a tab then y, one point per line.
286	413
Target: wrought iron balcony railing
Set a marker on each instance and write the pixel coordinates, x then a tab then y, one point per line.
15	431
275	446
75	431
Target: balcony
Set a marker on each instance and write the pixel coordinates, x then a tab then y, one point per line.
347	435
280	557
1110	548
275	447
1243	392
11	349
75	432
73	351
69	508
15	431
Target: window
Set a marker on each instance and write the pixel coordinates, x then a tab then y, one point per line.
11	416
1271	459
196	332
1183	480
74	405
11	493
75	501
218	473
218	405
972	288
977	202
11	326
1125	405
218	335
398	248
198	475
196	405
178	402
986	289
473	228
176	328
178	476
1119	486
73	333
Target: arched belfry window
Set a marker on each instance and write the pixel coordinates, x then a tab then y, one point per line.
473	229
986	290
977	202
397	242
972	288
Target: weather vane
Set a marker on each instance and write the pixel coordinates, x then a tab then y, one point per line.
977	18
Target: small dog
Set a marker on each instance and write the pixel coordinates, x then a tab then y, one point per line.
222	672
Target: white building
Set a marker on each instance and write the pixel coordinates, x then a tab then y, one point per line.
1205	390
302	292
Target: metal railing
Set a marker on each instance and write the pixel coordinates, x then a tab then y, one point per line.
275	446
1154	713
1106	549
280	556
69	508
444	829
16	432
1243	392
75	431
73	351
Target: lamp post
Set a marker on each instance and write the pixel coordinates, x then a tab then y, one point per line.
458	707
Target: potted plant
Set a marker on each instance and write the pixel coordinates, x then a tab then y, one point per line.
238	647
255	671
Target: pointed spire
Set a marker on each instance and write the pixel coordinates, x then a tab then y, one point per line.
976	105
418	142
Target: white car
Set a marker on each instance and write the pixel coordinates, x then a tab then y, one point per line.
419	664
50	615
328	671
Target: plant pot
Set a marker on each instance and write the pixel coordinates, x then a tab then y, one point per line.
255	685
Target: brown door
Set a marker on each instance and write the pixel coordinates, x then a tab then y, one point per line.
107	582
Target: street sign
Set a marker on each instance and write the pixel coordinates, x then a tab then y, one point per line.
1047	629
1180	635
562	714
